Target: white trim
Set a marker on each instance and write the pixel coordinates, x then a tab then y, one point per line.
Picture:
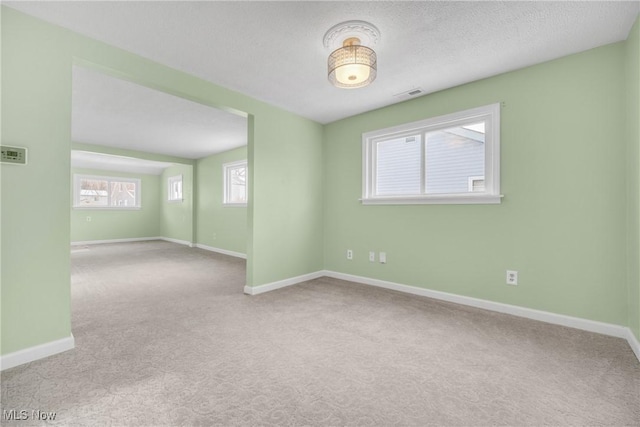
221	251
255	290
170	181
180	242
77	177
99	242
633	342
471	179
226	184
489	113
529	313
133	239
449	199
36	352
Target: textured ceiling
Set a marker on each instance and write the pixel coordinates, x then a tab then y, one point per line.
273	51
117	113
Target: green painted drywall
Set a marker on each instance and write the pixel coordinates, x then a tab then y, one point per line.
219	226
632	89
286	174
285	206
561	223
106	224
36	99
176	219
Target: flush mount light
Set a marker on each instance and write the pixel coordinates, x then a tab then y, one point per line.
353	63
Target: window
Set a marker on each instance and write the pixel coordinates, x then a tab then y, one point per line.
103	192
452	159
174	187
235	183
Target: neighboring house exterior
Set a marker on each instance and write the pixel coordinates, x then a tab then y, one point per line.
454	162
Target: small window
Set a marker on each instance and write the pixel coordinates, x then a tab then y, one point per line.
174	187
447	159
103	192
235	183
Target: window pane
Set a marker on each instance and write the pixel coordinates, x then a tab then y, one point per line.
123	194
238	185
177	190
453	156
398	166
175	187
93	192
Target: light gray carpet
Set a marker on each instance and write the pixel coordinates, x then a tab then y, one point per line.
165	336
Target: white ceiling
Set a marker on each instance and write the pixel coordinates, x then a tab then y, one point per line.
117	113
273	51
90	160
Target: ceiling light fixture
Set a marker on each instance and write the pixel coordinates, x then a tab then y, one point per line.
352	64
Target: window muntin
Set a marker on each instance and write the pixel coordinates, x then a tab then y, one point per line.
447	159
102	192
235	183
174	188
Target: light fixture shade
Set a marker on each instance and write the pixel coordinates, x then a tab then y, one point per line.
352	66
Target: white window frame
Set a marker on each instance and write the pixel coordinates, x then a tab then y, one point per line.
226	168
489	113
472	179
76	191
170	181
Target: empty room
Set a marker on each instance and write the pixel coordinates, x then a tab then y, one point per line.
320	213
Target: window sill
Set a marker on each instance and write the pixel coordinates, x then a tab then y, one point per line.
107	208
449	199
234	205
175	201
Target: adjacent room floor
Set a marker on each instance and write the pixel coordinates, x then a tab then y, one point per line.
165	336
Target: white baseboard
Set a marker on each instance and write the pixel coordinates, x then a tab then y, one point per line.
99	242
133	239
543	316
40	351
633	342
255	290
180	242
221	251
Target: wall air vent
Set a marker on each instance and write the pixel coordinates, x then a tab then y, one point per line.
409	93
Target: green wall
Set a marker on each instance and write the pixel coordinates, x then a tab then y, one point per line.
568	222
36	98
109	224
219	226
561	223
632	89
176	218
284	153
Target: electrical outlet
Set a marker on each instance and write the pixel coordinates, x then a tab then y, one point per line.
88	219
372	257
512	277
382	257
349	254
215	236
